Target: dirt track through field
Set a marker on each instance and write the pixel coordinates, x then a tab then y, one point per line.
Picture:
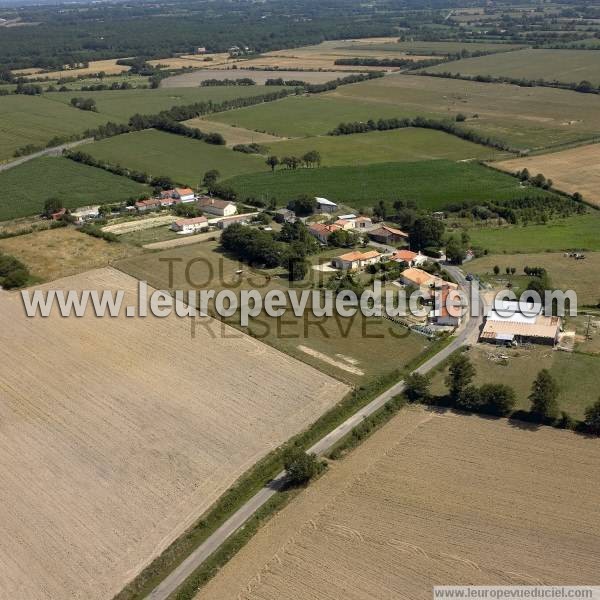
116	434
432	498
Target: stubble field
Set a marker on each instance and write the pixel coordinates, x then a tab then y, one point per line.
431	499
574	170
126	433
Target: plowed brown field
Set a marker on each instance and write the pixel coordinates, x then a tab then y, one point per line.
430	499
117	433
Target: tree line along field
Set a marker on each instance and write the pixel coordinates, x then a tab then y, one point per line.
119	105
26	187
37	119
121	446
423	502
524	118
184	159
385	146
353	350
576	374
566	66
432	184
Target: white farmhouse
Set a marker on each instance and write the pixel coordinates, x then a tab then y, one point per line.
190	225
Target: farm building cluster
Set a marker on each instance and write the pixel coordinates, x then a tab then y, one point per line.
509	323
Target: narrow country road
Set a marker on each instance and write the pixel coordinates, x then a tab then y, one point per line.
54	151
467	334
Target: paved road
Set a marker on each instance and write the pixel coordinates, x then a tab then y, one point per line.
54	151
467	334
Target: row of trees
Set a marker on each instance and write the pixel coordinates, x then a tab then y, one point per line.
423	123
310	159
498	398
239	81
584	87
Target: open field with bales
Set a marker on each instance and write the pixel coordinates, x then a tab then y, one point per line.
25	188
566	66
574	170
362	186
57	253
423	502
566	273
36	120
575	374
192	60
397	145
119	105
184	159
579	232
122	445
342	347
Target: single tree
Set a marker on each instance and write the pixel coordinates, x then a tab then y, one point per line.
469	399
297	267
210	177
496	270
300	466
544	393
460	375
417	387
497	398
592	418
272	161
52	205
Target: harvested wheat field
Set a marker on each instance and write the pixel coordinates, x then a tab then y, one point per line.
432	498
233	135
575	170
116	434
110	67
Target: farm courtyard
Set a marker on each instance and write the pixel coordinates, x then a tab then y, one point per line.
133	431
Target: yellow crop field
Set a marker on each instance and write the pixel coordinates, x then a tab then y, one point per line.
118	433
433	498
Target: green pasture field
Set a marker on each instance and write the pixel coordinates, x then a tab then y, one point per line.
184	159
526	118
576	374
300	116
567	66
579	232
119	105
565	273
25	188
432	184
36	120
372	346
384	146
